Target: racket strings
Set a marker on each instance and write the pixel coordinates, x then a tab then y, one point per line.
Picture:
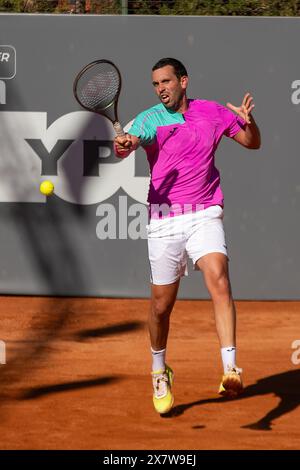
98	86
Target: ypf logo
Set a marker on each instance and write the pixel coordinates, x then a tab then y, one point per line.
7	62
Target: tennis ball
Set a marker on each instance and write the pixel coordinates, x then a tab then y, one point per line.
47	188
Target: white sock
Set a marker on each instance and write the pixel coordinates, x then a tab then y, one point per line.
158	359
228	357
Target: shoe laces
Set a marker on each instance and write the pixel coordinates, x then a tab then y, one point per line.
160	384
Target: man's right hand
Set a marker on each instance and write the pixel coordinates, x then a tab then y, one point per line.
125	144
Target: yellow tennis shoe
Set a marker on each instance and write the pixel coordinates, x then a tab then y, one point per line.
163	398
231	385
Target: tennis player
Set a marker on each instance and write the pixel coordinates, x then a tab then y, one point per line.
180	137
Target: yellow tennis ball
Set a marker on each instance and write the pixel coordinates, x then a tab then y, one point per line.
47	188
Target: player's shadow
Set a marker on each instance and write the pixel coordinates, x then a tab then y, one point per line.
285	386
84	335
109	330
66	387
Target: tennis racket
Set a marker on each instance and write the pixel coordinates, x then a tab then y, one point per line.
97	88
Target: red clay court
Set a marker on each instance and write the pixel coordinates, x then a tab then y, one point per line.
78	377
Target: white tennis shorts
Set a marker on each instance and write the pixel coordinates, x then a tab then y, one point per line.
171	240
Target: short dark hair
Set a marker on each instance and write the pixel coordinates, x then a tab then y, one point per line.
179	68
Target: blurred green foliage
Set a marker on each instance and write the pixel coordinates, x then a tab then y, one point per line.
157	7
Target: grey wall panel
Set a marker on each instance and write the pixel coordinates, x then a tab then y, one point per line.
52	246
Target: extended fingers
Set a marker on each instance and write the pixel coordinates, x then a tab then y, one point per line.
247	106
230	106
247	101
245	109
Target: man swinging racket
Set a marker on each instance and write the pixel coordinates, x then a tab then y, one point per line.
180	137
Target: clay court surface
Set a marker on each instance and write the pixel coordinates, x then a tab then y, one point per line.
78	377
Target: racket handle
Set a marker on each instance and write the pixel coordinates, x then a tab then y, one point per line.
118	129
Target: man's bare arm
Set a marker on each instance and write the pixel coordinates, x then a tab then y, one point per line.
250	136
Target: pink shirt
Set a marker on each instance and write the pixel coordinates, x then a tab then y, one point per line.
181	155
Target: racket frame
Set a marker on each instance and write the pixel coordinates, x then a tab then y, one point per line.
113	103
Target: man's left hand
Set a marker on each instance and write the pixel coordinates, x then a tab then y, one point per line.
244	111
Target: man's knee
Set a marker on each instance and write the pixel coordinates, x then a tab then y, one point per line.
162	300
161	308
218	282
